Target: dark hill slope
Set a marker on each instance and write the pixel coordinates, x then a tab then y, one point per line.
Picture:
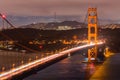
27	34
31	34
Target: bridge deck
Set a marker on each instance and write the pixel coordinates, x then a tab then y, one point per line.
110	70
28	66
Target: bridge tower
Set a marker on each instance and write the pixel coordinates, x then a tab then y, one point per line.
92	33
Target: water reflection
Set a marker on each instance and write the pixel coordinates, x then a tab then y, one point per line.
70	68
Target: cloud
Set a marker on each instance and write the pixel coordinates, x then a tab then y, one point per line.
106	8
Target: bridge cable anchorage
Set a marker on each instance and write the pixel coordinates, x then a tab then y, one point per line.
92	34
9	38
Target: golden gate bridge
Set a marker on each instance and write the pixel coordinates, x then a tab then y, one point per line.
92	52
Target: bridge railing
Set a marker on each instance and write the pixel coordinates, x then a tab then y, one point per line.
38	60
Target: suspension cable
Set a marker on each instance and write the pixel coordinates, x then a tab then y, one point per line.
7	37
85	19
3	17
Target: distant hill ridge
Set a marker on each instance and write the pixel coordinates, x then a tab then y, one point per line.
72	24
55	25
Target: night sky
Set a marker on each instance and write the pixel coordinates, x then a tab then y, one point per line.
107	9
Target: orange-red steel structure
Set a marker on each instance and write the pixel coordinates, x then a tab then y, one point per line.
92	33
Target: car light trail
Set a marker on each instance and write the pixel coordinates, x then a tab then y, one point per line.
28	66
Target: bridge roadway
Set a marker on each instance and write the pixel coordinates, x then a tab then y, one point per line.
21	69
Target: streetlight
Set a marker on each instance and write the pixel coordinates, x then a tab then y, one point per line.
22	62
30	59
36	57
3	69
13	66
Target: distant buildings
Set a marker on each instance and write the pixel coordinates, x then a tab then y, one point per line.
64	28
111	26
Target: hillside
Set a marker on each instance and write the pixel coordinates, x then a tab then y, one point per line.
27	34
55	25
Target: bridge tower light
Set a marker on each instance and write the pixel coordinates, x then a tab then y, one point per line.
3	16
92	33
